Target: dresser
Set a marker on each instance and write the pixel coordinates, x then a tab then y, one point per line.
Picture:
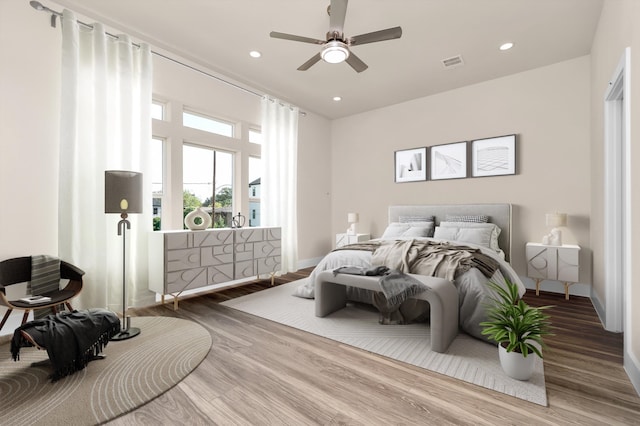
558	263
185	260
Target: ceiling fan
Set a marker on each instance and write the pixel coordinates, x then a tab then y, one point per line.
336	47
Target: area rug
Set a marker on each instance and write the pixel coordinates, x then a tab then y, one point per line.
467	358
134	372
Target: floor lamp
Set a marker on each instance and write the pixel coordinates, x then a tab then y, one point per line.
123	194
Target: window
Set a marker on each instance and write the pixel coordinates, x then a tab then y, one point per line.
156	160
207	176
207	124
255	136
157	110
255	171
197	168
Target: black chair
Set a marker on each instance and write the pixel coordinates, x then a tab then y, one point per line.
18	270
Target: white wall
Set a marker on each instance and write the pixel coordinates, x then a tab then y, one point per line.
29	131
548	108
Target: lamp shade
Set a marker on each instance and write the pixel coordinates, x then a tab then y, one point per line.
352	218
122	191
555	220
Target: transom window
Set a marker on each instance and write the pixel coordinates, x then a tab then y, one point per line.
207	124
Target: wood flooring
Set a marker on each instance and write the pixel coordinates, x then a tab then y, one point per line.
262	373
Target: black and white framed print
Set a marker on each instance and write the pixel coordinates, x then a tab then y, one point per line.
493	156
411	165
448	161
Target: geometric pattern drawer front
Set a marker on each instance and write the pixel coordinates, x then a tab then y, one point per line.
245	269
268	264
216	255
273	233
213	238
568	265
220	273
178	260
538	262
266	249
244	252
184	280
249	235
178	240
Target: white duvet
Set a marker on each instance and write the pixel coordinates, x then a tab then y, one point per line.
473	292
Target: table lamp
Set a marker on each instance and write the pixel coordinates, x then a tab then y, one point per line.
352	218
555	221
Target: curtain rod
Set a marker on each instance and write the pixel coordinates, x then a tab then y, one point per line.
54	14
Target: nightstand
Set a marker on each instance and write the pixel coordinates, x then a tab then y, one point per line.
559	263
344	239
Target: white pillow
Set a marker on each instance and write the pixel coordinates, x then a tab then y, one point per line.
408	230
495	231
443	233
479	236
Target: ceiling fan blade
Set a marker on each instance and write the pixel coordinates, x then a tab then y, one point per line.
388	34
310	62
337	14
356	63
284	36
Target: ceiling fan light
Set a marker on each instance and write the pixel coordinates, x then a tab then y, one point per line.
335	52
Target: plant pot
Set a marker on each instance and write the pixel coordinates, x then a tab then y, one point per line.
515	364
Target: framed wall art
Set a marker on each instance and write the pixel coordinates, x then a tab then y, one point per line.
411	165
448	161
493	156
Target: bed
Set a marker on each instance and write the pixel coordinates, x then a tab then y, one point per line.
480	232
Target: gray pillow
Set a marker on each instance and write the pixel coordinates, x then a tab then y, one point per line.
474	218
406	219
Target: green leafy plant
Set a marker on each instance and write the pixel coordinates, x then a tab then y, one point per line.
514	324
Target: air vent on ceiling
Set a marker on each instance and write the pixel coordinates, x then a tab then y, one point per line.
452	62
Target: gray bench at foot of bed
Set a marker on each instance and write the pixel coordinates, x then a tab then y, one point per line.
331	295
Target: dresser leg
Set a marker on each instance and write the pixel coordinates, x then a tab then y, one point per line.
566	290
538	281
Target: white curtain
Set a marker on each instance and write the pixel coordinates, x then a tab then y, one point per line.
105	125
278	200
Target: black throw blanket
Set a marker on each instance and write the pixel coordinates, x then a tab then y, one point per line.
71	339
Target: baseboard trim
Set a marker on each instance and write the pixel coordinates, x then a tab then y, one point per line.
307	263
599	308
632	367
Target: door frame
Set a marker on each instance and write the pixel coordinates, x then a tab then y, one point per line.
617	197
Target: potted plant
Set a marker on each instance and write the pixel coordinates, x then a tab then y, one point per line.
517	328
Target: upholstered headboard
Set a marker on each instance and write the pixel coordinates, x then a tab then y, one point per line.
500	214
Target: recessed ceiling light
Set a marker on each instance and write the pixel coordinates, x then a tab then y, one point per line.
506	46
337	98
255	54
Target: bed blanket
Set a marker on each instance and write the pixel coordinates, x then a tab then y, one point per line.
431	258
